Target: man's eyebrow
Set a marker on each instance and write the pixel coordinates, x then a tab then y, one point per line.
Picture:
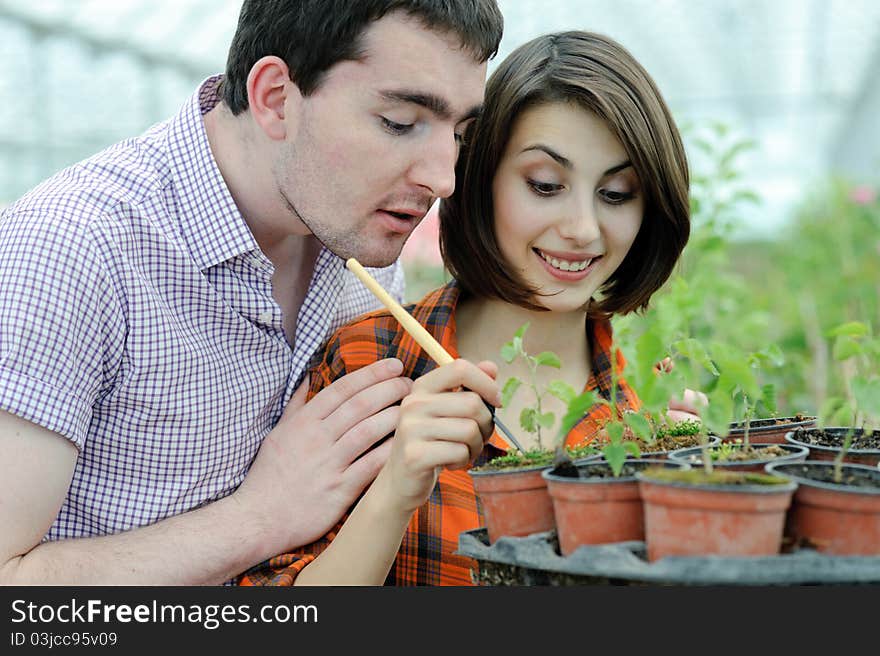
566	163
437	105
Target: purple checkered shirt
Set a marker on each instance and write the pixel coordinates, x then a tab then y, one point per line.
137	321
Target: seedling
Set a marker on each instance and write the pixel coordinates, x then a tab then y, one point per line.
854	343
534	419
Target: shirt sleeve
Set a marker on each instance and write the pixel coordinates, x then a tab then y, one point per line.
61	324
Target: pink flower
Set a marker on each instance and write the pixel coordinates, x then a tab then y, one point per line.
423	245
863	195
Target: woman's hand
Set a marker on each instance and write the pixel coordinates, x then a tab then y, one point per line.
439	427
687	408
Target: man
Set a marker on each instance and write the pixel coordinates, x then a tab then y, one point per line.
162	300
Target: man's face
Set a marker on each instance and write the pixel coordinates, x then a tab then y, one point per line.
376	143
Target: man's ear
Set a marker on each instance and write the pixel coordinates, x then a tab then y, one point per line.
272	97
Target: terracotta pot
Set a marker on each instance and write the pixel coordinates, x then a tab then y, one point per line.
822	452
694	457
769	431
599	510
684	519
833	518
515	502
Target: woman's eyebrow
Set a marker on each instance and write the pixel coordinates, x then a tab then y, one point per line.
566	163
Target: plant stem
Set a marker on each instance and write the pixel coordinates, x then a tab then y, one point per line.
533	371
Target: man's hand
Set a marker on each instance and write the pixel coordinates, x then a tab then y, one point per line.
316	462
440	426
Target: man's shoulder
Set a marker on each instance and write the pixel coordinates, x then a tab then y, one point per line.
129	174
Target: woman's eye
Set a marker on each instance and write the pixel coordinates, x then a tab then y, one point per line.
543	188
615	197
394	127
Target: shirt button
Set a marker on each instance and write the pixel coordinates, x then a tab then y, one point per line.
265	317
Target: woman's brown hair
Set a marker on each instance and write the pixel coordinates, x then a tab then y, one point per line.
601	76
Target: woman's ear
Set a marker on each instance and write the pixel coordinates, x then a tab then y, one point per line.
273	99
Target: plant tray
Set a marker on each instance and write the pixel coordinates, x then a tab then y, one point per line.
535	560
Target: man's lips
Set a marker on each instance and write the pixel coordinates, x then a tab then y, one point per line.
398	221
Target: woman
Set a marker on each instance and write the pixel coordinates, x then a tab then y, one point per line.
572	206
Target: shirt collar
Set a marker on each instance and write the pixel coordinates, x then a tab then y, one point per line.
213	227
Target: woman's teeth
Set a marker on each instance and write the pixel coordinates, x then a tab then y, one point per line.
565	265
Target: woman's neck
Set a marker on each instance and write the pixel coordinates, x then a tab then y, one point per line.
488	324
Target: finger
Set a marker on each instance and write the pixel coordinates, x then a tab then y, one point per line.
489	367
464	404
364	470
331	397
460	373
365	434
444	429
441	453
365	404
677	416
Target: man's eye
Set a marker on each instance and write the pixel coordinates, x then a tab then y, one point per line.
396	128
615	197
543	188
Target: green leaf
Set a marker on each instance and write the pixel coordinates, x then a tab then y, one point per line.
633	448
528	419
829	410
849	329
513	383
562	391
509	352
521	331
846	347
546	420
577	408
615	454
649	351
695	351
768	397
771	356
638	424
867	395
614	429
548	359
719	414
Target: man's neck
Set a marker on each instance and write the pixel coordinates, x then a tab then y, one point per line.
243	156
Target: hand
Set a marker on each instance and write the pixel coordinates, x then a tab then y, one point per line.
312	466
689	407
439	427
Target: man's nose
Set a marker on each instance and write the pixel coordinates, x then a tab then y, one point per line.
435	168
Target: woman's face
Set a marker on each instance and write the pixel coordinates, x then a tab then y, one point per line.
568	203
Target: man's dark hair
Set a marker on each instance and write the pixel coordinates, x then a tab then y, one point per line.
313	35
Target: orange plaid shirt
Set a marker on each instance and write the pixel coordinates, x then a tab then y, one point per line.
426	553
